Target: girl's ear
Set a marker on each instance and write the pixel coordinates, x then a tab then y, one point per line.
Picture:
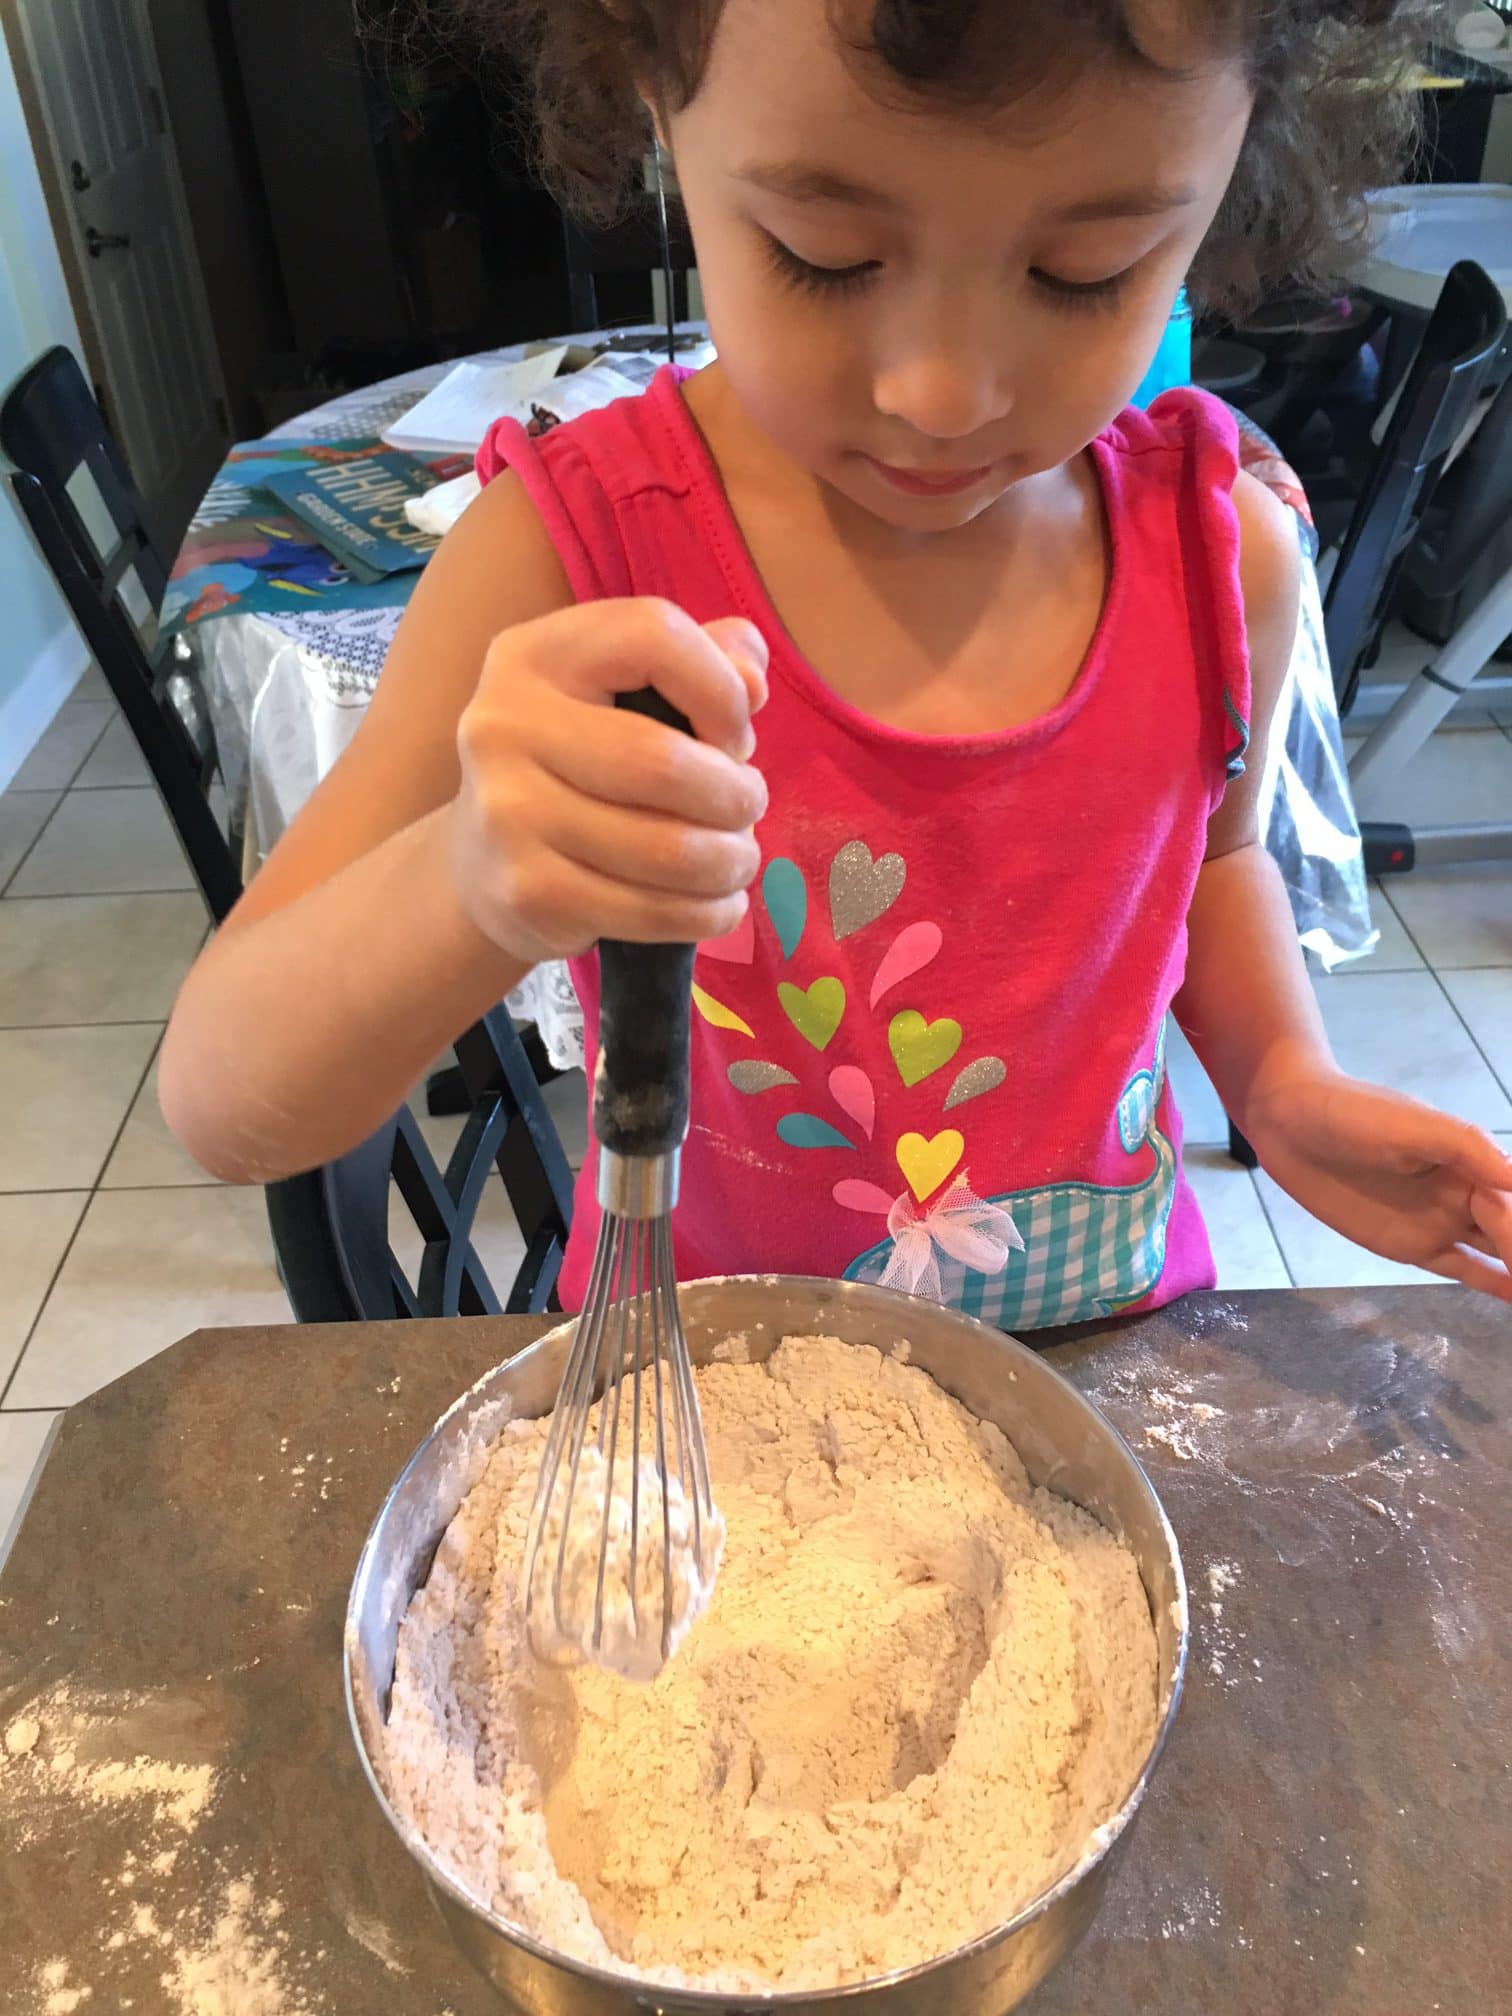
656	111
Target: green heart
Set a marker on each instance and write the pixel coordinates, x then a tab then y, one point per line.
920	1047
815	1014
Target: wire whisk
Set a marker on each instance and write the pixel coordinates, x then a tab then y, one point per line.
624	1538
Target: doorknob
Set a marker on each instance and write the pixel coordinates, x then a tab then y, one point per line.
104	241
80	177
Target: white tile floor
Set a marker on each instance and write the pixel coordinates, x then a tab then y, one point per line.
113	1244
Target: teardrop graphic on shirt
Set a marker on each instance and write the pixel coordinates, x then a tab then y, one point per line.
786	898
716	1013
852	1092
984	1076
854	1195
807	1130
750	1075
912	949
737	946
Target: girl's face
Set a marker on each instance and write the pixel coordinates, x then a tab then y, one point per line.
924	306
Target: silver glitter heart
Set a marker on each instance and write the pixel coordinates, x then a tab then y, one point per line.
862	890
984	1076
751	1076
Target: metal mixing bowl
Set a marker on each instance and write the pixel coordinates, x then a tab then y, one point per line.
1064	1442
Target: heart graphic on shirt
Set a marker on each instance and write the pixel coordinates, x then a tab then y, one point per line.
815	1013
862	890
926	1164
919	1047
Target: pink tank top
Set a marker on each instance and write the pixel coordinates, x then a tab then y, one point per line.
933	1055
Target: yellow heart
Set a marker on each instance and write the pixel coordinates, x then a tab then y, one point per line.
926	1164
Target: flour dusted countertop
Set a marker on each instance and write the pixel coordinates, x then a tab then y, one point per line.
1328	1830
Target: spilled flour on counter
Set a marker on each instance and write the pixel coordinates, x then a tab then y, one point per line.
919	1689
209	1946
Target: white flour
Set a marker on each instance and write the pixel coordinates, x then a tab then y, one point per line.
919	1688
226	1957
657	1574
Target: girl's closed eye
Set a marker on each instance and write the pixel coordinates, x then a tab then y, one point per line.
1079	295
814	278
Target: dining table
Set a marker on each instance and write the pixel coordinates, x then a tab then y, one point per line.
185	1817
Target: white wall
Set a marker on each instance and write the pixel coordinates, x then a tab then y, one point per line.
41	654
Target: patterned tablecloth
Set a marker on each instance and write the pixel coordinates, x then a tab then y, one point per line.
288	691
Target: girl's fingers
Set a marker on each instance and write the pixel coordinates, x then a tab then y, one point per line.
650	917
744	643
1390	1128
624	759
1492	1212
646	850
1474	1270
600	649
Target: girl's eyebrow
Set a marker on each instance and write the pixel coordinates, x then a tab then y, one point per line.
806	183
803	182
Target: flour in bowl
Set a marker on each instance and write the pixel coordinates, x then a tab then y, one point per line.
920	1687
620	1576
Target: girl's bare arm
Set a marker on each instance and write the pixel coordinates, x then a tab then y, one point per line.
431	869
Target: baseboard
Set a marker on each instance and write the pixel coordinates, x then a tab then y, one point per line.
27	712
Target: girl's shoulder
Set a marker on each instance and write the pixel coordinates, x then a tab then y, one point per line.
1184	430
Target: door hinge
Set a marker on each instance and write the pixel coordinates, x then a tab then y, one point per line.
155	100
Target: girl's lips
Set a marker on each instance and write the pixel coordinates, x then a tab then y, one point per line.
920	483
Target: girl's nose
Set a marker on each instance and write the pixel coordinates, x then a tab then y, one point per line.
942	390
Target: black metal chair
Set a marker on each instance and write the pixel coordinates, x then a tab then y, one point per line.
78	497
1405	528
1437	398
632	245
330	1226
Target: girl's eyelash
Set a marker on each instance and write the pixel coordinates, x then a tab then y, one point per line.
1075	295
813	279
1081	294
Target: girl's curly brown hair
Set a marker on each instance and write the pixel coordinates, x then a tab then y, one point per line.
1332	116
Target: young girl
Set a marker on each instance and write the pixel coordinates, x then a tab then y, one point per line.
972	653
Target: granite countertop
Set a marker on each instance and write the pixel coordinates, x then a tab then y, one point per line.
1330	1829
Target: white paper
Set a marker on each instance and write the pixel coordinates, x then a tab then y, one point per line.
583	391
453	419
439	509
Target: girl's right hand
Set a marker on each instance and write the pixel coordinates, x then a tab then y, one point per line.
576	822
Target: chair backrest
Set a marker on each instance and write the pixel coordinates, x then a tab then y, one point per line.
330	1227
631	245
77	494
1459	347
335	1231
1473	508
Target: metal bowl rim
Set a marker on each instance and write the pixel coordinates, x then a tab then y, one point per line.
1103	1838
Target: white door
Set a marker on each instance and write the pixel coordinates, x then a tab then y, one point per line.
96	79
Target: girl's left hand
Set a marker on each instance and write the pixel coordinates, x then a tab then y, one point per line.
1408	1182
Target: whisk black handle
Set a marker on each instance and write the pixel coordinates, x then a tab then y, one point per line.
640	1099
